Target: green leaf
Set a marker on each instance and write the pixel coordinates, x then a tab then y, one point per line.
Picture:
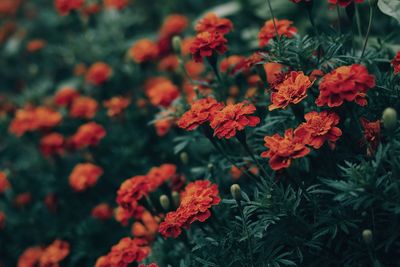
390	8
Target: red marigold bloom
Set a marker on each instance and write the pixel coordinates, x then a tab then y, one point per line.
131	191
102	211
54	254
396	63
291	91
233	118
123	216
207	43
88	134
344	3
372	134
318	128
229	63
163	125
146	228
168	63
30	257
282	150
116	105
159	175
80	69
66	6
144	50
84	175
194	69
98	73
346	83
186	44
83	107
2	220
65	96
173	25
284	28
4	183
212	23
35	45
52	144
196	202
163	93
117	4
23	199
273	71
201	111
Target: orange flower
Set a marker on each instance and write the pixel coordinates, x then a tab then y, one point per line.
173	25
159	175
318	128
163	125
88	134
65	96
98	73
117	4
186	44
80	69
123	216
396	63
235	172
66	6
346	83
30	257
234	118
344	3
102	211
116	105
144	50
206	44
23	199
35	45
83	107
291	91
54	254
9	7
84	175
372	134
201	111
163	93
283	27
2	220
52	144
212	23
196	202
4	183
282	150
168	63
146	228
194	69
273	71
230	63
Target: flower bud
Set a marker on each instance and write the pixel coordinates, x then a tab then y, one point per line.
184	158
164	201
176	44
210	167
389	118
176	199
236	192
367	236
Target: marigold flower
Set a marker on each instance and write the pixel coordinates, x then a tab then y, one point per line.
212	23
396	63
159	175
65	96
344	3
66	6
84	175
234	118
54	253
291	91
30	257
80	69
318	128
2	220
23	199
123	216
173	25
116	105
229	63
273	71
98	73
163	125
117	4
144	50
35	45
346	83
206	44
52	144
283	27
196	202
168	63
372	134
186	44
201	111
194	69
88	134
4	183
146	228
282	150
102	211
83	107
163	93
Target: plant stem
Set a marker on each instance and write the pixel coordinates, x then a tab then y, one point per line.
371	18
358	21
273	19
247	233
339	19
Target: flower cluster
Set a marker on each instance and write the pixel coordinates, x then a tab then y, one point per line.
274	28
84	175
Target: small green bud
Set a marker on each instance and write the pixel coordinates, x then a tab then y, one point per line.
367	236
389	118
176	44
184	158
210	167
176	199
164	201
236	192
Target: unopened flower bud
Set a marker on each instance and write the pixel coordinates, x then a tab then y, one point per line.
184	157
236	192
367	236
389	118
164	201
176	198
210	167
176	44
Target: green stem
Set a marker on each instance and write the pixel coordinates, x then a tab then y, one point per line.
247	233
371	18
358	21
339	19
273	19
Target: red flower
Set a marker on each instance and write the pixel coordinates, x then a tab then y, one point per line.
102	211
23	199
282	150
117	4
2	220
396	63
173	25
230	63
163	93
66	6
284	28
318	128
98	73
144	50
116	105
344	3
196	202
30	257
291	91
234	118
206	44
346	83
54	254
52	144
35	45
212	23
123	216
163	125
146	227
168	63
65	96
201	111
88	134
372	132
159	175
84	175
83	107
4	183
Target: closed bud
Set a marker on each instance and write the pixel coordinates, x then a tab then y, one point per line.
210	167
184	157
176	198
389	118
236	192
164	201
367	236
176	44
